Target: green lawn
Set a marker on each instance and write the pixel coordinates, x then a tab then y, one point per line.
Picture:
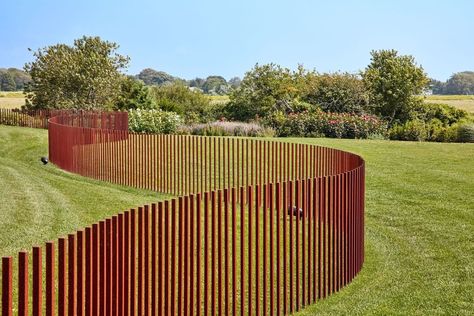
41	203
419	231
419	220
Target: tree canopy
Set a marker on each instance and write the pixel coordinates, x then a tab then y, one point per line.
460	83
19	77
393	82
86	75
153	77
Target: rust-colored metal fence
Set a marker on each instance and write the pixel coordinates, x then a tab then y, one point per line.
26	118
256	227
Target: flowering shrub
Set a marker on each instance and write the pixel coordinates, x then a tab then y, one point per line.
323	124
227	129
153	121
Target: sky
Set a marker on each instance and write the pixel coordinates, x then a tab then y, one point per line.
192	39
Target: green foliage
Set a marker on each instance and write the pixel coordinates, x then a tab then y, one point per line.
466	133
323	124
265	90
133	95
337	92
215	85
153	121
227	129
393	82
83	76
152	77
197	82
433	130
437	87
460	83
20	78
446	114
7	83
235	82
414	130
193	106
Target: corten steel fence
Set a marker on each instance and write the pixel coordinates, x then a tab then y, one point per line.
256	227
25	118
40	118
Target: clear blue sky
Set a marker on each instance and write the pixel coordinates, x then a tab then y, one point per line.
201	38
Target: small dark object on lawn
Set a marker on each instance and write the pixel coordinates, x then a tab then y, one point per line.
44	160
294	211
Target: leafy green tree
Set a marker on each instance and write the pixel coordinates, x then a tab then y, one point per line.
197	82
178	98
215	85
152	77
134	95
337	92
85	75
460	83
235	82
437	87
7	83
265	90
21	77
394	81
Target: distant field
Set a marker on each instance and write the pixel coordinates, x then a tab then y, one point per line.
464	102
11	100
219	99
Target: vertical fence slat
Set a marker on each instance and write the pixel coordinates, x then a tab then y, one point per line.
7	286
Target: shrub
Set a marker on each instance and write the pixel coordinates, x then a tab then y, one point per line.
193	106
466	133
446	114
228	129
337	92
153	121
414	130
321	124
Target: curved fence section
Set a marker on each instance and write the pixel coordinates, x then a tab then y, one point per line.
253	226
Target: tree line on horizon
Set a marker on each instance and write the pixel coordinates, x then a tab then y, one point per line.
384	100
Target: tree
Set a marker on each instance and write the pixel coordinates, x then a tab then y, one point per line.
393	83
460	83
7	83
152	77
215	85
177	97
266	89
337	92
197	82
235	82
134	95
21	77
85	75
437	87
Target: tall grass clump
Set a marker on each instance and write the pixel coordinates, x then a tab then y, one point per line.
227	129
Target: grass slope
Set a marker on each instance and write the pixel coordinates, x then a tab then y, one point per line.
419	219
41	203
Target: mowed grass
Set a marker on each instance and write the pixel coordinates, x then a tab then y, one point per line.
464	102
419	219
41	202
419	231
11	100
